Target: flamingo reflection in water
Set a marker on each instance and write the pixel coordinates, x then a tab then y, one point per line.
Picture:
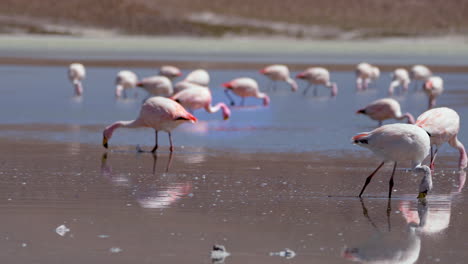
150	193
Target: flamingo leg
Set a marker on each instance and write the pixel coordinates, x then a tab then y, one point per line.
155	142
307	89
390	183
433	157
389	210
229	97
171	148
155	161
368	179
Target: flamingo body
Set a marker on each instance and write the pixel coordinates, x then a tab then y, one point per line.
433	87
443	124
246	87
170	72
125	80
383	109
77	73
397	143
200	97
159	113
420	73
157	85
279	72
199	76
318	76
400	78
365	74
183	85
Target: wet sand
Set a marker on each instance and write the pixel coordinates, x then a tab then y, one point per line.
124	207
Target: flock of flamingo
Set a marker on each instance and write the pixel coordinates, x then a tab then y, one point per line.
167	108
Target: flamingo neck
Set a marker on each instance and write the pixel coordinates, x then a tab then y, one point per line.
265	97
293	84
426	183
408	116
118	90
78	87
108	131
217	107
463	158
392	87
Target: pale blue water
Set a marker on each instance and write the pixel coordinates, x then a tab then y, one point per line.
293	122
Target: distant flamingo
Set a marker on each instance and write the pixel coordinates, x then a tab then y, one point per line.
365	74
170	72
420	73
318	76
400	78
279	73
156	112
200	97
443	124
398	142
182	85
433	87
199	76
383	109
77	73
245	87
157	85
125	80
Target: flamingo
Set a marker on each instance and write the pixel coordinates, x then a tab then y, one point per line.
400	78
443	124
200	97
245	87
398	142
318	76
420	73
125	80
199	76
383	109
365	73
434	86
158	113
170	72
77	73
183	85
279	73
157	85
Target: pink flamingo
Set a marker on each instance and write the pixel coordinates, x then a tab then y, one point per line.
434	86
398	142
170	72
383	109
125	80
400	78
279	73
158	113
157	85
443	124
365	74
200	97
420	73
318	76
199	76
77	73
182	85
245	87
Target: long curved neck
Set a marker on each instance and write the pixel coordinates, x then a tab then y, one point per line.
265	97
217	107
127	124
118	90
407	116
293	84
392	87
78	87
463	158
426	183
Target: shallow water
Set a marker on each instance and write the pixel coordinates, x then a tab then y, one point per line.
270	178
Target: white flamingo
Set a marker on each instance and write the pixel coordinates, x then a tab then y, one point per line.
158	113
420	73
365	74
245	87
443	124
433	87
157	85
400	77
383	109
125	80
199	76
398	142
76	74
170	72
279	73
318	76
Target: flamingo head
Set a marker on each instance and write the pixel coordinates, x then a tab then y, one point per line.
228	85
266	100
106	135
427	86
226	112
263	71
351	254
301	75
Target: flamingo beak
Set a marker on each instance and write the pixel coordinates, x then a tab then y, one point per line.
227	85
104	142
262	71
226	117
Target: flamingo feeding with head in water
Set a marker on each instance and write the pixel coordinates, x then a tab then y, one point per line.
77	73
443	124
318	76
279	73
397	143
245	87
158	113
400	77
125	80
198	97
383	109
365	74
433	87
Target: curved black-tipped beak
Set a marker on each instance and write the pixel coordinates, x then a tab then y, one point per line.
104	142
